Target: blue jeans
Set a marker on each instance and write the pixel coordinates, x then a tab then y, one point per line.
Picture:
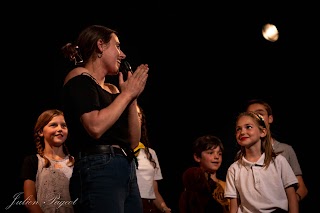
105	183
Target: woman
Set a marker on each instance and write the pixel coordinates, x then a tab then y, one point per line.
103	123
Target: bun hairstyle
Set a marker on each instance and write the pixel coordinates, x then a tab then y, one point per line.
86	44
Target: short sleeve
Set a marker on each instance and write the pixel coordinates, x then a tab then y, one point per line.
80	94
29	168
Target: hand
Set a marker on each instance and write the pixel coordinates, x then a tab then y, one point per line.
166	210
136	81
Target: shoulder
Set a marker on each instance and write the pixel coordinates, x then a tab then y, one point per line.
29	167
222	183
152	150
280	144
234	168
280	159
74	72
31	159
153	153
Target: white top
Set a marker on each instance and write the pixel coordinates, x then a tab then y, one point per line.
52	186
260	189
146	173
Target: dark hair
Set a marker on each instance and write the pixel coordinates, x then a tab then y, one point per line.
206	142
43	119
86	43
145	138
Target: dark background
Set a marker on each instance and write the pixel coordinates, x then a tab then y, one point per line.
206	60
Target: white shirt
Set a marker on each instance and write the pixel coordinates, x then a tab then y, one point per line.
260	189
146	173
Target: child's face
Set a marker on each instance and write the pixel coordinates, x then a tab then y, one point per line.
55	132
248	132
211	159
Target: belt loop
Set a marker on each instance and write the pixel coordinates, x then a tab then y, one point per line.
112	150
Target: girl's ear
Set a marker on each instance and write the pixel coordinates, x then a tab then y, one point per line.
263	133
40	133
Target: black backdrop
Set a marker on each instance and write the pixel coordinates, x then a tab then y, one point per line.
205	61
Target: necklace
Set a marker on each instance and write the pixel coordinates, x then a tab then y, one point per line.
93	78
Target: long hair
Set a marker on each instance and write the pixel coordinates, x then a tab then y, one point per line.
266	145
145	137
43	119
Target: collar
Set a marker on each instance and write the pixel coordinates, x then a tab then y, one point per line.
249	164
137	149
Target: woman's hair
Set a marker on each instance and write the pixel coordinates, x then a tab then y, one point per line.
206	142
145	138
86	43
266	145
43	119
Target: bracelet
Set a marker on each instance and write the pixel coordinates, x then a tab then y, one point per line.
298	196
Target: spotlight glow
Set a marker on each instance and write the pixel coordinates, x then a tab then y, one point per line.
270	32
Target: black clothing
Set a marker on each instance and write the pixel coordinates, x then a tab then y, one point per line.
80	95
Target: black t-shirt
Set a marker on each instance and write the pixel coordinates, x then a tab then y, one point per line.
29	168
80	95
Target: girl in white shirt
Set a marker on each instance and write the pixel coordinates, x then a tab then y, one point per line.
148	172
259	180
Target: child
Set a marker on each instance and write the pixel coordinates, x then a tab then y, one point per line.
148	171
46	175
264	109
204	192
259	180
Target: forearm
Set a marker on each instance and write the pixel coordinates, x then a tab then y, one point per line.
302	190
159	201
161	205
292	200
99	121
134	125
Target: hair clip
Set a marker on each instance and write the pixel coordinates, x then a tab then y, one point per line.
77	57
260	117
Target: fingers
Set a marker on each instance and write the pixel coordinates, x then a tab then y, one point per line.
141	71
120	78
136	81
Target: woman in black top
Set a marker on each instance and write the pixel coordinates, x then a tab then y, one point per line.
103	123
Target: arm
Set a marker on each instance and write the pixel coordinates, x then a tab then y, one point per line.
99	121
234	205
294	163
30	196
159	202
134	125
302	190
292	200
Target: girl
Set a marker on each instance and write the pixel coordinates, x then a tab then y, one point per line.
259	180
46	175
148	171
